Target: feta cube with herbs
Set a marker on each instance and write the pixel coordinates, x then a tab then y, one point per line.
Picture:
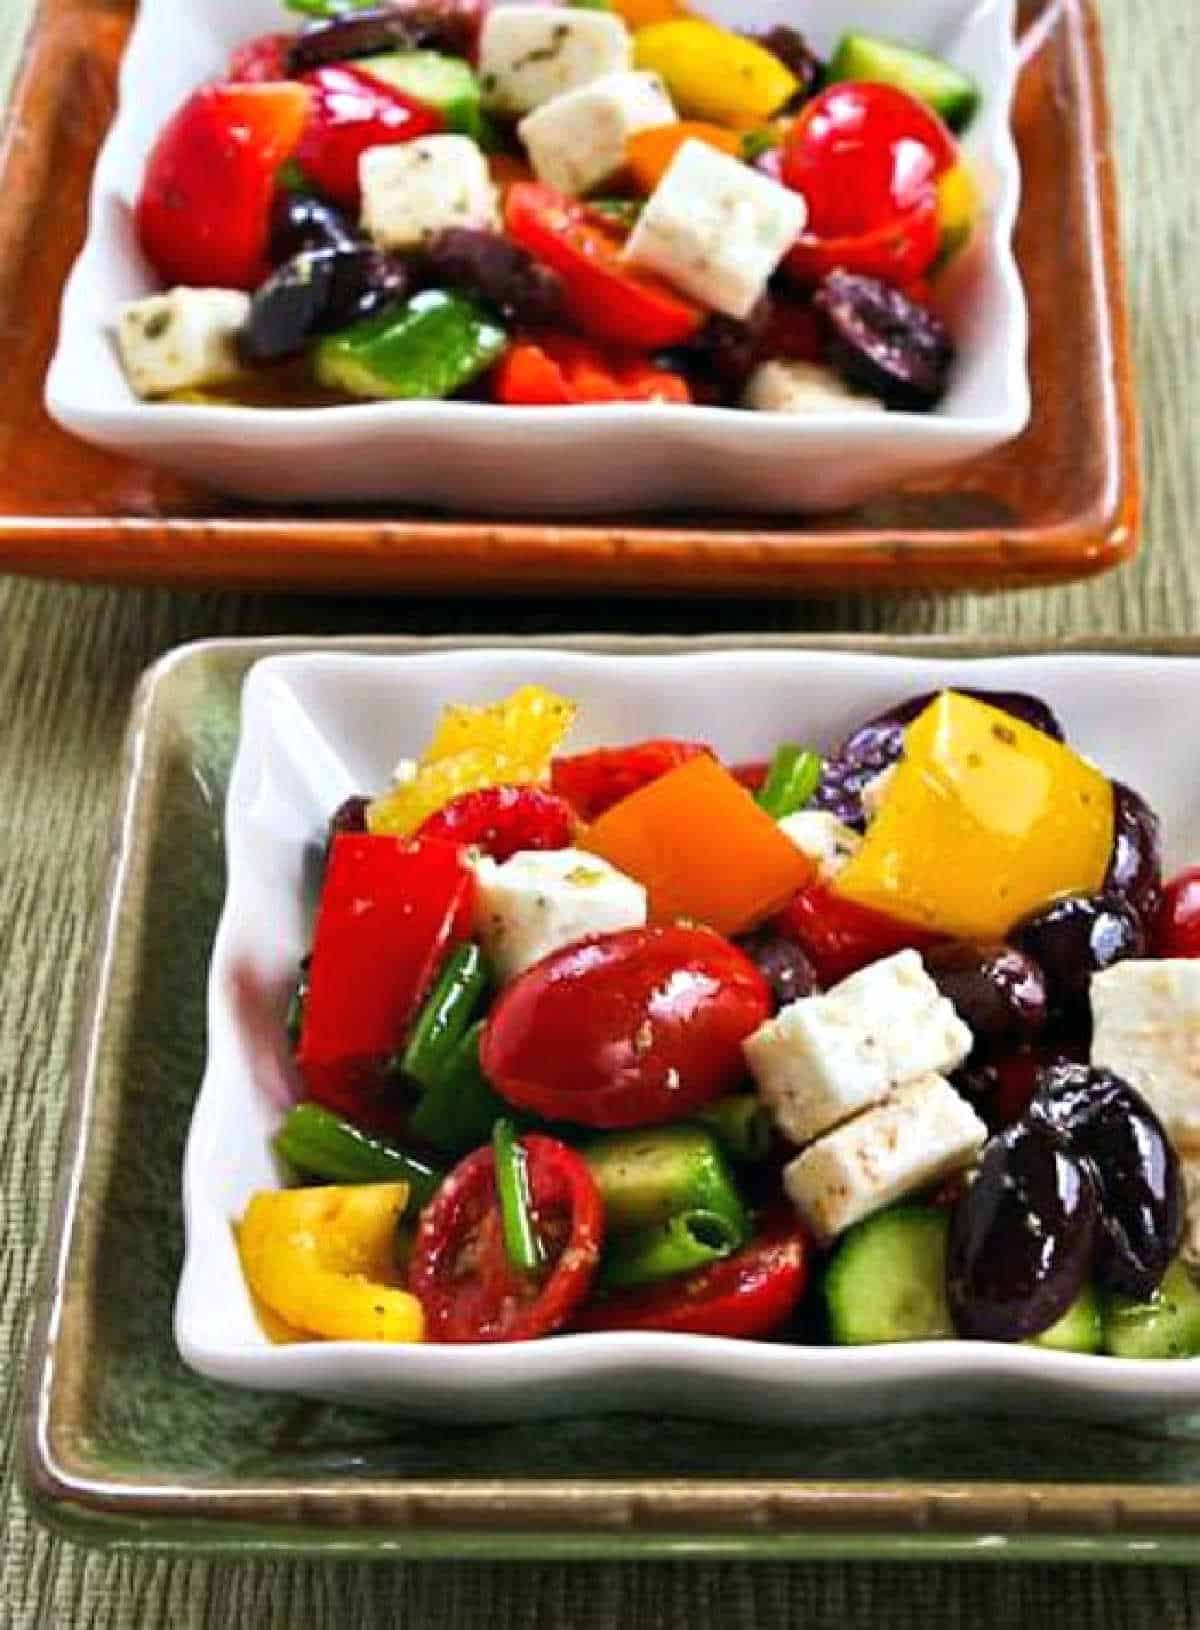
606	211
636	1037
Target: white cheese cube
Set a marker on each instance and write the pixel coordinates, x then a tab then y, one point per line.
413	190
921	1133
538	901
1147	1030
822	837
716	229
822	1059
803	387
182	340
577	142
531	54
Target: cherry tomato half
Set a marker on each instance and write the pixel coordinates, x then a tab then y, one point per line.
502	821
1178	931
594	782
626	1029
747	1295
606	299
351	111
840	937
459	1269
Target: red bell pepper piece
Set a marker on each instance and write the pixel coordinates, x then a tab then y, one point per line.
560	370
503	821
390	909
351	111
840	937
594	782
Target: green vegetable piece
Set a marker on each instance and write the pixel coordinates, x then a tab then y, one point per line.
516	1204
1079	1329
426	349
757	142
445	83
326	8
1167	1326
693	1239
446	1017
646	1178
792	780
741	1125
323	1145
884	62
624	212
887	1279
291	178
457	1113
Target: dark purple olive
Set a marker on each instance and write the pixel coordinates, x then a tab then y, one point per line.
349	818
1021	1237
318	292
1072	939
882	342
301	221
1135	871
998	992
450	26
782	964
500	272
999	1086
794	51
727	351
1101	1118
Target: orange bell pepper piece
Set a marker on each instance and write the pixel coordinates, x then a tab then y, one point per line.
641	13
649	152
702	848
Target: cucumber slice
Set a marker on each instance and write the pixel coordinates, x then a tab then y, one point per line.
1167	1326
887	1279
1078	1331
429	348
647	1177
446	83
928	78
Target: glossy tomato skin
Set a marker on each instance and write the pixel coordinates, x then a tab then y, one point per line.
749	1295
627	1029
351	112
504	821
203	212
840	937
1178	930
594	782
459	1268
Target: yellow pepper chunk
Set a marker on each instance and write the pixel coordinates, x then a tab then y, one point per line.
714	74
499	745
959	208
323	1261
985	819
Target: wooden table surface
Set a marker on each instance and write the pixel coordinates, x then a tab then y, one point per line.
69	658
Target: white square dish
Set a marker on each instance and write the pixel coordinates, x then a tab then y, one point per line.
465	455
316	727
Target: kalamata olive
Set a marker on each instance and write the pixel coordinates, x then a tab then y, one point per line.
1021	1237
882	342
499	271
301	221
318	292
999	1087
1100	1117
348	818
1135	871
998	992
782	964
1072	939
794	51
451	26
727	351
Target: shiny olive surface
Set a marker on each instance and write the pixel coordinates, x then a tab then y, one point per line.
1135	872
998	992
318	292
786	969
301	221
1072	939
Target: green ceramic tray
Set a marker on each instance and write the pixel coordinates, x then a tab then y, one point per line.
124	1447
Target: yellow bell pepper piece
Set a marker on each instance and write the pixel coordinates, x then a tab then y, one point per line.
323	1260
959	206
502	744
714	74
984	820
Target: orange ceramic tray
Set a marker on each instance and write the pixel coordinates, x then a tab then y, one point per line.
1060	503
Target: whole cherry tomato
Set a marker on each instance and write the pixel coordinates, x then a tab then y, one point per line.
747	1295
351	111
606	299
459	1269
840	936
1178	931
626	1029
260	60
203	212
502	821
594	782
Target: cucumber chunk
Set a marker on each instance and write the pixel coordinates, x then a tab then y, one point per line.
928	78
429	348
1167	1326
445	83
1078	1331
647	1177
887	1279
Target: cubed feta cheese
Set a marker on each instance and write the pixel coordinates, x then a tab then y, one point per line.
539	901
531	54
577	142
413	190
822	837
922	1132
716	229
803	387
1147	1030
822	1059
181	340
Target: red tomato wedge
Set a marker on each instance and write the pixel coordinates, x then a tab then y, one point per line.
1178	930
351	111
560	370
594	782
748	1295
202	214
606	299
502	821
460	1271
840	937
